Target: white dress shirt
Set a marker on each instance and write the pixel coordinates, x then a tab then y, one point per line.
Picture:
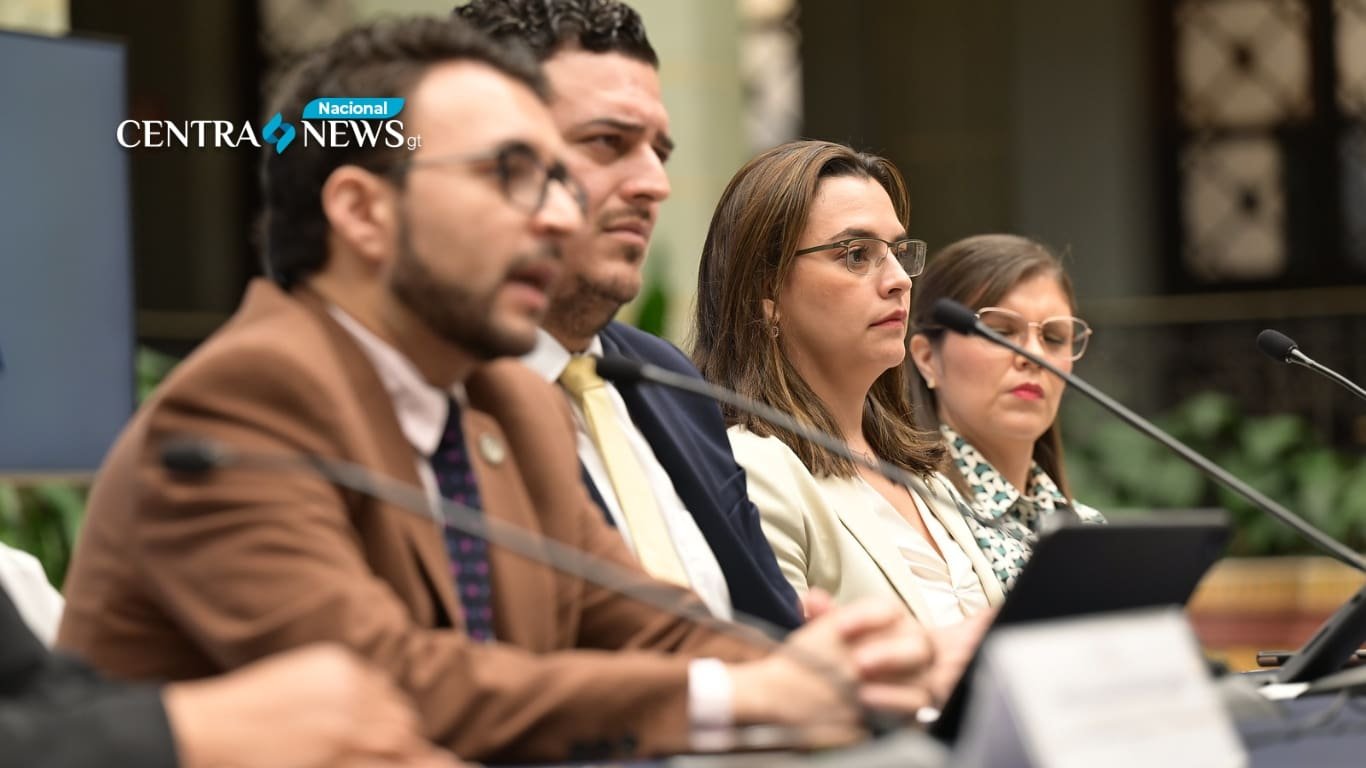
39	604
549	359
422	411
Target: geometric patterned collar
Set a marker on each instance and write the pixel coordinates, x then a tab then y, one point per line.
995	497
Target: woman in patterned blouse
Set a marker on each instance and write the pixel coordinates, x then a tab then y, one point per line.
997	411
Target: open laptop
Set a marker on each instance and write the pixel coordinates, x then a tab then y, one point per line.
1085	569
1331	647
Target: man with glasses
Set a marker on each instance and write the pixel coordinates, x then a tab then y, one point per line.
397	278
657	461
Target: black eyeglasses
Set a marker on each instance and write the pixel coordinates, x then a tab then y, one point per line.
523	176
862	255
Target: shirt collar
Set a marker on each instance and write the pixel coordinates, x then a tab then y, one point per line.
422	409
992	493
549	358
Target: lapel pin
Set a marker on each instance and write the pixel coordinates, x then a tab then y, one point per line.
492	449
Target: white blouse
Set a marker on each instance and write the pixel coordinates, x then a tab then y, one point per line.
950	586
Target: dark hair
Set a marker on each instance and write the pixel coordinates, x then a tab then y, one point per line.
978	272
748	255
550	26
385	59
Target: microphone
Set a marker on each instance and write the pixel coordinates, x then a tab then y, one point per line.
1341	635
960	319
622	370
1280	347
625	370
195	456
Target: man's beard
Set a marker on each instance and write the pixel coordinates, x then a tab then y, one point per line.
452	311
581	307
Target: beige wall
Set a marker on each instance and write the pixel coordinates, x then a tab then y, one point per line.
50	17
699	54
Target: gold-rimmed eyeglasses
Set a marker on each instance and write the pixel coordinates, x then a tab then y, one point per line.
1062	337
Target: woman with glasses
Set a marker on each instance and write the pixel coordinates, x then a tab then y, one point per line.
802	303
997	411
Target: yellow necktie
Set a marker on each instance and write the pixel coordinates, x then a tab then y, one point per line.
654	547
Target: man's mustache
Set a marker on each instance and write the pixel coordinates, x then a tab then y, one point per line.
631	214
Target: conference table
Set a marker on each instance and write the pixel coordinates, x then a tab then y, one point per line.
1322	731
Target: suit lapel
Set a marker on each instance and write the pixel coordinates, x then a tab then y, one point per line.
854	502
935	496
393	457
649	411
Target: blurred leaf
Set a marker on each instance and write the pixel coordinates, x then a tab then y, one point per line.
1203	417
652	305
152	366
654	309
1176	484
1278	455
65	504
1271	482
1262	534
43	521
1352	505
1124	457
1267	439
1318	476
1086	484
10	506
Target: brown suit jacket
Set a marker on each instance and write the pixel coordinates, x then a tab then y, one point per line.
177	577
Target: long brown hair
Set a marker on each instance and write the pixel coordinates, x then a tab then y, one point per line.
978	272
747	257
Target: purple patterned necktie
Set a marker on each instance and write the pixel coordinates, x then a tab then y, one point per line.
469	554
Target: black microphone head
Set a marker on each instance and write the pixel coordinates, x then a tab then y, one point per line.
619	369
954	316
1276	345
191	455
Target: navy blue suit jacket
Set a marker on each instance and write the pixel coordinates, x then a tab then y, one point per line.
689	439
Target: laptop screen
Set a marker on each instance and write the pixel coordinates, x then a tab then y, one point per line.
1085	569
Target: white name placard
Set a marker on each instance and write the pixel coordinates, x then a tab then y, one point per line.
1114	690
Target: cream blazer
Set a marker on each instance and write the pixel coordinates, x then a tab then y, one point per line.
825	534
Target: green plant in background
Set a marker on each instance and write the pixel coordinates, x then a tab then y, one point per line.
152	366
653	314
652	306
1111	466
43	518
